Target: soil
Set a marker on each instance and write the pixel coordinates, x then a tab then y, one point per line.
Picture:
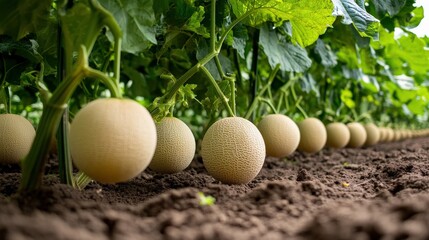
380	192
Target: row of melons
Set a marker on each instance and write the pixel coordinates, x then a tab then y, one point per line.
113	140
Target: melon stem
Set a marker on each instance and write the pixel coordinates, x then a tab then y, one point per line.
218	91
34	163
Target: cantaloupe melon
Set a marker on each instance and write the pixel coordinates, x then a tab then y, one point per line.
313	135
338	135
16	137
357	135
233	150
281	135
372	134
175	146
112	140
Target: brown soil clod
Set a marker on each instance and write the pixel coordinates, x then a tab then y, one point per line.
379	192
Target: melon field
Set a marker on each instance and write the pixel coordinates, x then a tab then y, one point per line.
213	119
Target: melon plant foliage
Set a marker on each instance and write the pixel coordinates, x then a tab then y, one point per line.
201	60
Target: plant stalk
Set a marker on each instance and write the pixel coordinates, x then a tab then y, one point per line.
219	67
218	91
261	92
34	163
65	165
215	51
231	80
213	26
269	103
182	80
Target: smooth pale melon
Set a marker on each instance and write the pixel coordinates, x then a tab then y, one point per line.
112	140
397	135
313	135
175	146
390	135
281	135
16	137
383	134
357	135
338	135
372	134
233	150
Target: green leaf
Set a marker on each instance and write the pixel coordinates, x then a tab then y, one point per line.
417	106
47	38
20	17
329	59
292	58
137	21
194	23
179	12
186	94
81	25
392	7
16	57
309	18
180	58
160	7
385	38
352	13
368	60
212	102
370	83
25	48
139	86
240	37
202	51
405	95
411	51
308	84
348	56
418	15
346	98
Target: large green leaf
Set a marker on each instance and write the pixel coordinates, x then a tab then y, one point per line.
308	84
240	37
137	21
328	58
417	106
16	57
82	23
405	95
20	17
309	18
385	38
411	51
366	24
392	7
290	57
417	17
